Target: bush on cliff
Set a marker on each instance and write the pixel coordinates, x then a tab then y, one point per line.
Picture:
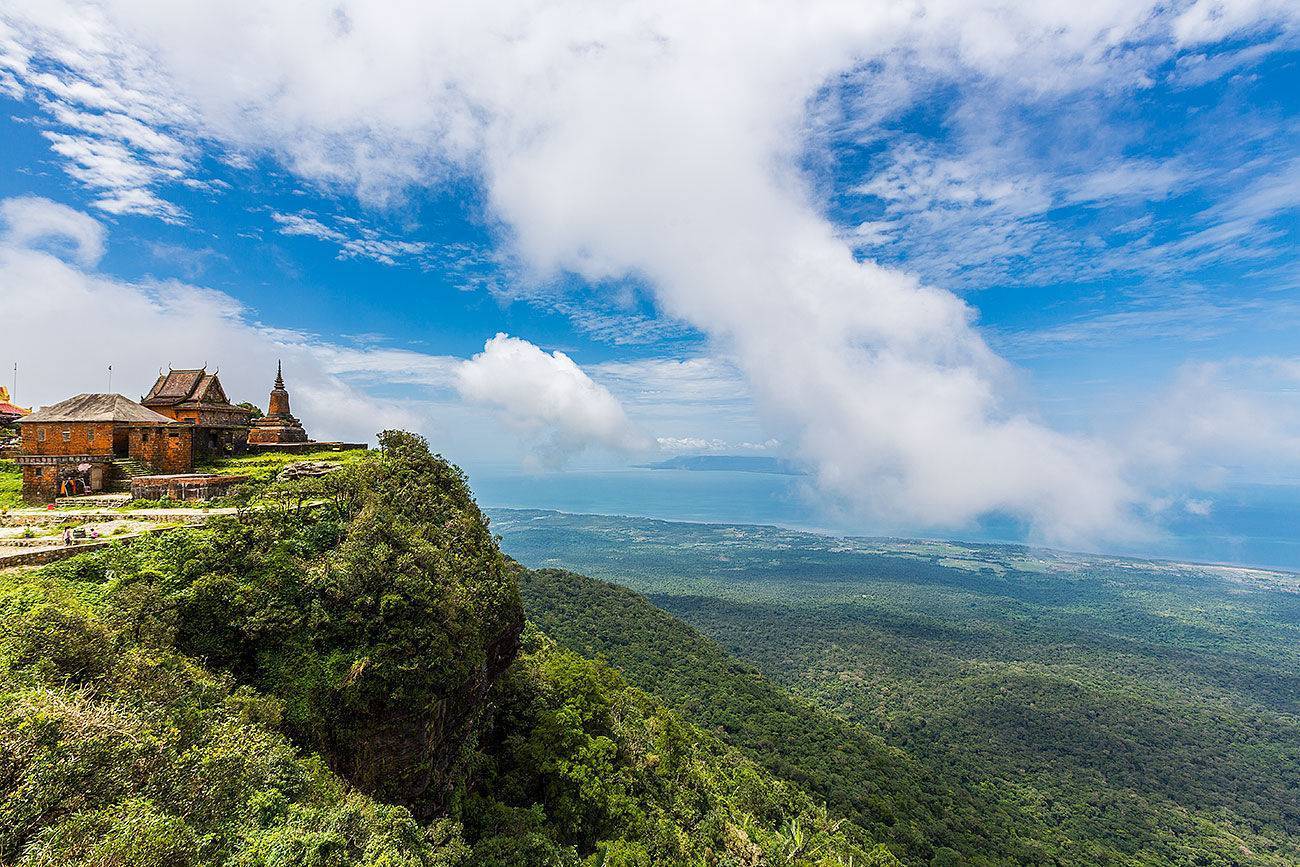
114	752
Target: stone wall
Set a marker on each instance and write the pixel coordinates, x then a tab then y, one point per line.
68	438
220	441
43	475
40	484
184	487
51	555
302	448
168	449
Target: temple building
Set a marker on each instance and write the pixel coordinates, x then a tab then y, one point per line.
196	396
278	427
87	442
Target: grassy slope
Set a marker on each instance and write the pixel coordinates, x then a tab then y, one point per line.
262	466
11	485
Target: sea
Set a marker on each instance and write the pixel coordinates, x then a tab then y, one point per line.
1247	525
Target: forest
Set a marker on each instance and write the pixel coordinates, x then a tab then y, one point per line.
1016	706
342	673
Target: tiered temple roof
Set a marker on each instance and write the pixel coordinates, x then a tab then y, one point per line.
186	387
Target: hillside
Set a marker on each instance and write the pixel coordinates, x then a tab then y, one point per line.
352	684
1089	709
854	770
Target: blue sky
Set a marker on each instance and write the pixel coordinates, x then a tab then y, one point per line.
959	261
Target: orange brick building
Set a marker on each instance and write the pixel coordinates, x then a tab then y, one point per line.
196	397
87	438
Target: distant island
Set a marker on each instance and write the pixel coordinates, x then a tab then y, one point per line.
734	463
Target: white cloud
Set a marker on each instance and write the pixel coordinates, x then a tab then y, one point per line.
1194	70
548	396
380	365
661	141
362	241
31	219
1237	418
1205	21
1185	316
700	404
697	445
698	382
1135	180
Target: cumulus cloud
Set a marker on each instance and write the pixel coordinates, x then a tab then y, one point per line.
30	220
662	141
547	395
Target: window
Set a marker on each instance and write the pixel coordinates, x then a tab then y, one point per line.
67	436
40	434
90	435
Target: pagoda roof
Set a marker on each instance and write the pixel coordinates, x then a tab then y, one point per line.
8	408
97	408
176	387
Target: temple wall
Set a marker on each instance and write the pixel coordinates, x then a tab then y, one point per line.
166	449
220	441
43	479
67	438
189	487
40	484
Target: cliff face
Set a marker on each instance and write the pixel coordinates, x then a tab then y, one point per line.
381	619
417	756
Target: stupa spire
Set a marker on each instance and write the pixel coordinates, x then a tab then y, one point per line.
278	426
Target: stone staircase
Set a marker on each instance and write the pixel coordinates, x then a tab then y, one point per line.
126	469
94	501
